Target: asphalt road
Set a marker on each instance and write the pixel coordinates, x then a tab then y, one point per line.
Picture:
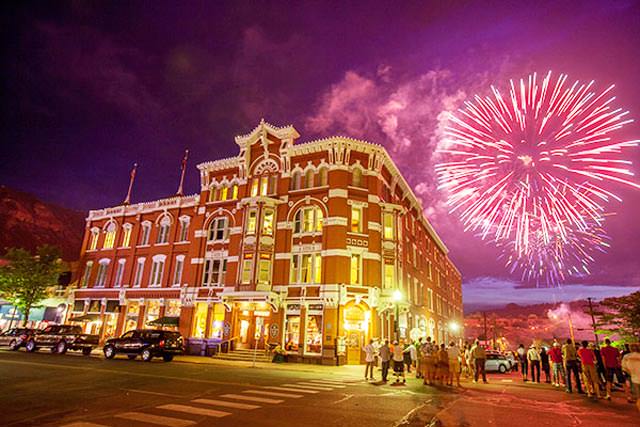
42	389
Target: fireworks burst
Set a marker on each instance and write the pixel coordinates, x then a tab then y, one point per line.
534	170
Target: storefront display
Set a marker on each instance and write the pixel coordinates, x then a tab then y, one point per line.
313	334
133	311
217	322
200	320
152	312
292	335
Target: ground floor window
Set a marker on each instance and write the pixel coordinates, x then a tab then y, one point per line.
133	310
314	333
292	336
172	308
200	320
152	313
217	323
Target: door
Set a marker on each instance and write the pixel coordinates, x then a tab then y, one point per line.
243	341
354	347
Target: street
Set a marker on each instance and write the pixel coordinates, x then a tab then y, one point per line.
75	391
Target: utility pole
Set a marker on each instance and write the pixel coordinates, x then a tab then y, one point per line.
494	331
484	316
593	321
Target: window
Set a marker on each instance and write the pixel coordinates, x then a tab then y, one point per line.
324	176
267	222
254	187
184	230
251	221
146	231
139	270
234	192
264	270
306	268
117	282
163	233
308	178
295	268
247	265
177	274
388	226
356	219
109	236
95	233
389	274
317	270
430	299
101	277
355	269
218	229
264	185
356	177
87	274
126	235
314	334
157	269
224	191
296	179
273	179
212	194
214	272
308	220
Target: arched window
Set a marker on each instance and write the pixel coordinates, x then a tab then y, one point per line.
109	236
356	177
308	178
296	179
126	235
163	230
218	229
324	176
308	220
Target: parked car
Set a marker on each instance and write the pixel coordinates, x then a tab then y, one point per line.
148	343
497	363
60	338
15	338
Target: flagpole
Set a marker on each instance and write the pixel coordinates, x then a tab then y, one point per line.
180	192
127	200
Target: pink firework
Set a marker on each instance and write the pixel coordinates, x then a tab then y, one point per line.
536	165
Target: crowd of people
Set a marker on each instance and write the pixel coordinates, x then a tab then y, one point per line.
594	370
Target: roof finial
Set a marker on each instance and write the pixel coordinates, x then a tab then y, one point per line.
180	192
127	200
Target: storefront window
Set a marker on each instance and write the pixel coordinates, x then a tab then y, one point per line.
200	320
133	309
314	334
292	336
217	325
172	308
152	312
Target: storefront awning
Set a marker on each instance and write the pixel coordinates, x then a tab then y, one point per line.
85	318
165	321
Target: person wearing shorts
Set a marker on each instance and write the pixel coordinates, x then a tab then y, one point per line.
398	361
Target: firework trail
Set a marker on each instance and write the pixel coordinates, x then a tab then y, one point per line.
536	167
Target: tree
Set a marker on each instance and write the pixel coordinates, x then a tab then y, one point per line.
619	315
26	279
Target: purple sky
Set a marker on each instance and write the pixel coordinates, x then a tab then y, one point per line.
90	88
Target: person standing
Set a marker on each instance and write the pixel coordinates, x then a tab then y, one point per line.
429	362
557	368
479	356
470	362
522	358
544	362
443	365
385	357
407	355
570	358
398	361
454	363
611	360
370	360
418	346
589	371
534	361
631	365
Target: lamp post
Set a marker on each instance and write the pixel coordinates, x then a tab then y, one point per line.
397	297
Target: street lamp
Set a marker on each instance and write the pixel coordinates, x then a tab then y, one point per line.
397	298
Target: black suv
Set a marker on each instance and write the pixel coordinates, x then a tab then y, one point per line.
148	343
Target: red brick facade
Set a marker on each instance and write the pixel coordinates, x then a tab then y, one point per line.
301	244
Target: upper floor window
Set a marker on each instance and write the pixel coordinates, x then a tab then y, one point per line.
307	220
389	229
252	220
179	267
223	193
356	268
126	235
356	219
356	177
296	180
218	229
117	282
87	274
264	269
157	270
430	299
247	269
324	176
263	185
95	233
268	216
389	274
109	236
101	277
309	178
137	280
306	268
234	192
184	229
214	272
163	231
145	233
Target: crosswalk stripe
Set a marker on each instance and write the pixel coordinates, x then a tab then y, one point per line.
83	424
328	382
310	387
155	419
273	393
194	410
297	390
226	404
323	385
251	398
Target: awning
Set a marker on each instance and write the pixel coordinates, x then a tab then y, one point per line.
165	321
85	318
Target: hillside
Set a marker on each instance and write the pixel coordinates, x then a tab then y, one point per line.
28	222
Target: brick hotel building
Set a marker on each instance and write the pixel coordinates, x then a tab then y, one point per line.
301	244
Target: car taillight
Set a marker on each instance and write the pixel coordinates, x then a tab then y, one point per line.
161	343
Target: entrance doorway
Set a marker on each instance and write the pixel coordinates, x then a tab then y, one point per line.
356	327
253	329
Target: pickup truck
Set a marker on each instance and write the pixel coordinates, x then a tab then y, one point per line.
60	338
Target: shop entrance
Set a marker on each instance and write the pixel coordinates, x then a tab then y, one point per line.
253	328
356	327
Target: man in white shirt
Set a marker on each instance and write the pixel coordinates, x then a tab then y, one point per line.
631	365
370	359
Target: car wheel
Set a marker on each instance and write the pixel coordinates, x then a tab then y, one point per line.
167	357
502	369
132	356
13	345
86	351
146	355
31	346
109	351
61	348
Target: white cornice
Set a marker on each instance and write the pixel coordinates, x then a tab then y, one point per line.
145	207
